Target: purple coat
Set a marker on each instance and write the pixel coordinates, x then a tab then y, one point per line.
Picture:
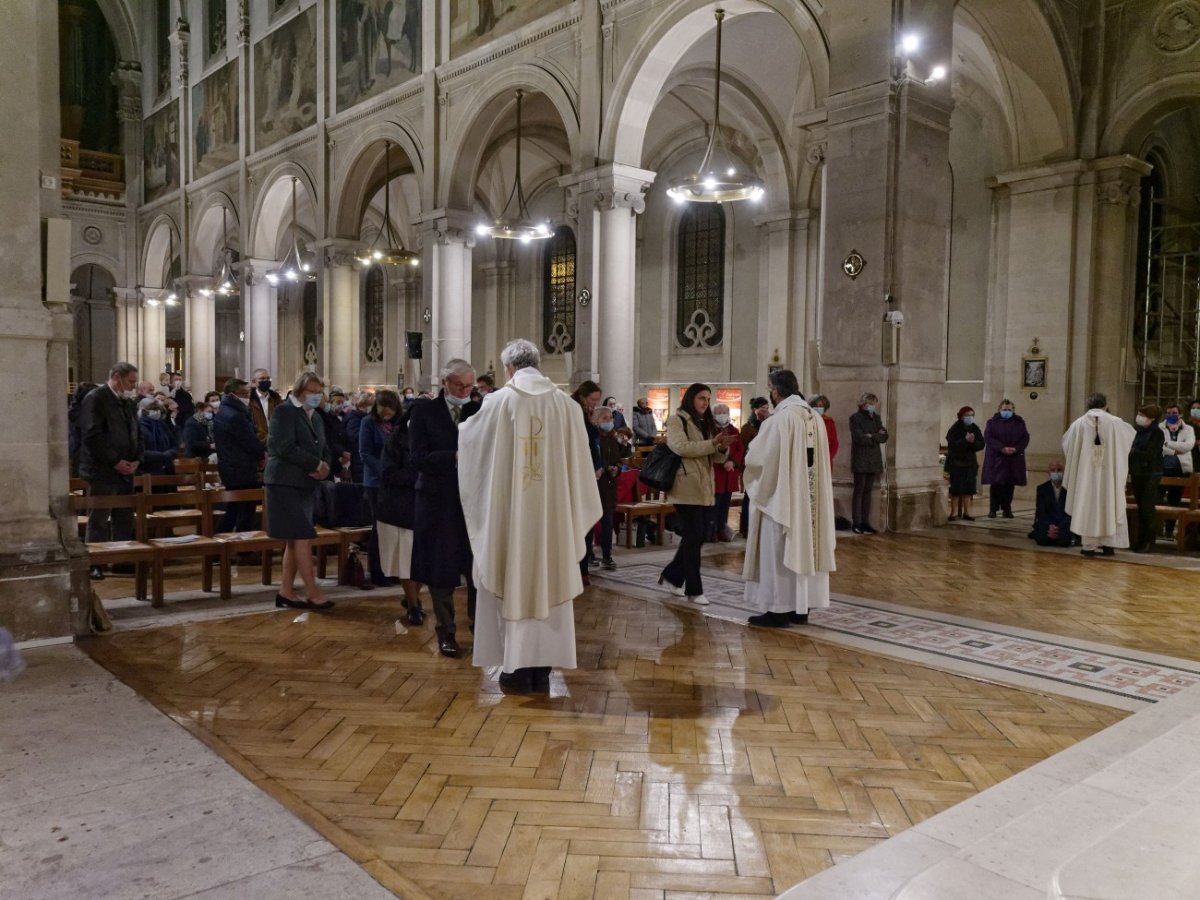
1001	433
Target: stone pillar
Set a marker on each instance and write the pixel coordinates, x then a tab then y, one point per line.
152	353
341	290
199	341
260	320
887	204
446	247
499	322
129	324
783	321
606	201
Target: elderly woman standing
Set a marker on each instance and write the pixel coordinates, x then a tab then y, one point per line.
692	435
297	461
866	459
964	440
1006	438
726	475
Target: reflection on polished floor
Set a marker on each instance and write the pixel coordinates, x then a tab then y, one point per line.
685	755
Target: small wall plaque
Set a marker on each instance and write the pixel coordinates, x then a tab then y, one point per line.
853	264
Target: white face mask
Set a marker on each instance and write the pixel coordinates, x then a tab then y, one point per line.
208	414
457	401
154	414
722	419
130	394
819	410
214	404
1142	421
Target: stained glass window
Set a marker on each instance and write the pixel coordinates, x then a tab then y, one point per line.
558	295
373	315
700	283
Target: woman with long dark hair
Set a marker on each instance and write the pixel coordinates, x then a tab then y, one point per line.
373	436
693	435
587	395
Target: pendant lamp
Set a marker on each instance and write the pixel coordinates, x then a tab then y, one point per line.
224	279
296	266
393	252
522	227
719	178
170	296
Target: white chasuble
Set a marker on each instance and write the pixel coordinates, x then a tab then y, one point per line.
1096	463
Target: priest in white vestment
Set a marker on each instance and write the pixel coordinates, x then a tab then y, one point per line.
1096	450
529	495
790	539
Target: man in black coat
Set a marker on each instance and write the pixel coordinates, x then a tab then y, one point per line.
441	548
1051	524
239	452
181	396
110	451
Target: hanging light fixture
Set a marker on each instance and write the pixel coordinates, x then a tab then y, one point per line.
522	228
224	280
296	266
393	252
717	180
170	296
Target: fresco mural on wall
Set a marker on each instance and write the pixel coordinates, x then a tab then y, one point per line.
215	120
378	47
475	22
160	145
285	80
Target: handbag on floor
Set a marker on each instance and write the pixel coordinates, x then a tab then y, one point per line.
660	468
352	574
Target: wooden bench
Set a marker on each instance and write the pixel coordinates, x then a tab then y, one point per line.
1184	517
170	549
103	553
650	505
166	518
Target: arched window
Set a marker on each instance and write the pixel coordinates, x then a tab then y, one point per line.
373	315
558	293
700	281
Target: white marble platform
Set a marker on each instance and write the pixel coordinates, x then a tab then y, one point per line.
102	796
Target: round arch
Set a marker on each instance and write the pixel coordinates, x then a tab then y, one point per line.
121	23
272	207
155	254
479	121
1140	111
364	156
652	63
207	239
95	258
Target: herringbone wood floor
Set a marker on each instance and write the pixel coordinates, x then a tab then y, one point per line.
683	757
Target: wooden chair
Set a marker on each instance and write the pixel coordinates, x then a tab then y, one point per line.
183	515
1184	516
649	505
104	553
170	549
235	542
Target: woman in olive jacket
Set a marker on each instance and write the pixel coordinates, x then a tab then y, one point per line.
692	434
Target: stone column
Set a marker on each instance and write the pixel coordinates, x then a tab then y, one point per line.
499	323
887	221
446	247
152	354
341	292
783	321
199	341
260	320
129	324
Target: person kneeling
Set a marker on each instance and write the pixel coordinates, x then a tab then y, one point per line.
1051	524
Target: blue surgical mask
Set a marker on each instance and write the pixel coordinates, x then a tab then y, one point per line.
154	414
1006	413
870	410
208	414
457	401
606	426
1056	476
1173	419
312	401
819	410
968	420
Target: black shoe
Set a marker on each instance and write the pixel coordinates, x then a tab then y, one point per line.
607	564
964	518
1008	514
320	607
867	529
1108	551
771	620
991	514
541	679
857	529
96	573
951	518
1143	548
593	563
282	602
798	618
380	581
416	615
394	580
448	646
518	682
1090	554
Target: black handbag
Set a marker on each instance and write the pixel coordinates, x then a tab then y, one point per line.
660	468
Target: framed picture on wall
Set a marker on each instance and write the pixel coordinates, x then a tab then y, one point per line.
1033	372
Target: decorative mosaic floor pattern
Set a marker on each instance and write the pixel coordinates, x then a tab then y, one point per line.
1051	660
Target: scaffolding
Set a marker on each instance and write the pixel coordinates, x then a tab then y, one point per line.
1169	323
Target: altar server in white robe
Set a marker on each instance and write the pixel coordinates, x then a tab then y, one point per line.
1096	450
529	496
790	541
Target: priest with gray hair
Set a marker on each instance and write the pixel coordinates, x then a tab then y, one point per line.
532	499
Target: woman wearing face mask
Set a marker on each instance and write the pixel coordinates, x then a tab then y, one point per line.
373	436
159	458
1145	473
867	434
613	454
820	405
297	461
198	430
964	440
618	416
726	475
1005	440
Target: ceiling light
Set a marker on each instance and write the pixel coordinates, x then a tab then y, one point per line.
910	43
522	228
393	254
295	264
938	73
713	183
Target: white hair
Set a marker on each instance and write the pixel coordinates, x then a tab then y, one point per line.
456	367
724	406
520	354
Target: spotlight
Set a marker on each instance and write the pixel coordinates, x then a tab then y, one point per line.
938	73
910	43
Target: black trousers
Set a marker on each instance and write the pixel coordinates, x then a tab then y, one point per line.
443	607
684	570
1000	497
239	516
860	504
109	524
1145	494
374	567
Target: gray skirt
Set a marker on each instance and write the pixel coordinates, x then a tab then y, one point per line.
290	512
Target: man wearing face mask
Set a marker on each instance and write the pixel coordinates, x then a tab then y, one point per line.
183	397
441	554
240	454
1145	474
726	476
1051	524
791	543
110	452
1096	463
1179	442
263	401
867	434
612	455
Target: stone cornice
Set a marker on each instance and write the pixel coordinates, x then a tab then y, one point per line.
389	98
521	38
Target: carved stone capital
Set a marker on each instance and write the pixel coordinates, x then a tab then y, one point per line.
244	22
1118	193
613	186
182	38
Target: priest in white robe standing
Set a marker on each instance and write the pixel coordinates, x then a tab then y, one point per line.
790	540
529	496
1096	450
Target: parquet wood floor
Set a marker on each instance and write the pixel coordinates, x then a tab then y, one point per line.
684	757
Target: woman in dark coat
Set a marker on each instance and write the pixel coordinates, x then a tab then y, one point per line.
612	455
373	436
1145	474
1005	438
74	435
198	440
297	461
867	434
395	514
160	451
964	440
587	395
